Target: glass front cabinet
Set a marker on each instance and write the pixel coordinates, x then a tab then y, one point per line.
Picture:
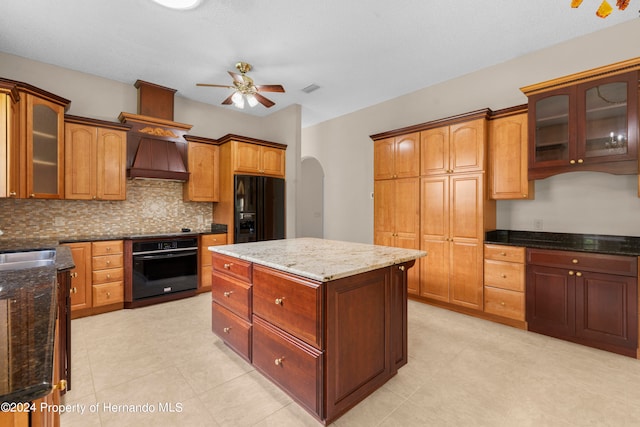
590	126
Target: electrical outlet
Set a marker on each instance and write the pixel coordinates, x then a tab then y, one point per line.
537	224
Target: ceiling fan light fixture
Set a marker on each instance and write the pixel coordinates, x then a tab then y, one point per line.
238	100
179	4
251	100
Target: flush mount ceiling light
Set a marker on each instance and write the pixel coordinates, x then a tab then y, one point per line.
179	4
605	8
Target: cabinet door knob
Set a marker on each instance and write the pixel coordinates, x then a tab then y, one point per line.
504	276
503	253
62	385
401	268
108	276
571	273
12	194
74	290
580	161
227	293
575	260
279	301
32	195
226	330
108	294
573	162
279	361
579	274
502	303
228	265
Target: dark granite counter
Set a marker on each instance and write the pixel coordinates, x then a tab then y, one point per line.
597	243
28	307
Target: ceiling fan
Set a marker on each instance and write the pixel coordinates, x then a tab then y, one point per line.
245	89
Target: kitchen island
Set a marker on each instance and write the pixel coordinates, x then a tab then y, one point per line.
324	320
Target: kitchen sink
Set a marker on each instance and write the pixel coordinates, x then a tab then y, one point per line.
29	259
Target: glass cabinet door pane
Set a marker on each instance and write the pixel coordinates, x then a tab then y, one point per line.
45	150
552	128
606	120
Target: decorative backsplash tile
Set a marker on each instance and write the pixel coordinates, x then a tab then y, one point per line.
152	206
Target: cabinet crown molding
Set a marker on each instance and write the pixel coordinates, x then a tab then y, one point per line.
583	76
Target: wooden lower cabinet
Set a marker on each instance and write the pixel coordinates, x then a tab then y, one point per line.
204	258
591	299
327	344
504	281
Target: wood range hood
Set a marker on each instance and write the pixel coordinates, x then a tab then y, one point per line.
156	148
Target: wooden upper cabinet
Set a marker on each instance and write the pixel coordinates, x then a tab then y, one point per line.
203	163
397	157
453	149
95	161
508	153
258	159
9	142
585	122
44	140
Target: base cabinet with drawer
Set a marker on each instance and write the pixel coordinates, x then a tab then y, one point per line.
590	299
326	344
504	281
97	281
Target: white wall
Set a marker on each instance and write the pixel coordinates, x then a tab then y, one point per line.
100	98
571	203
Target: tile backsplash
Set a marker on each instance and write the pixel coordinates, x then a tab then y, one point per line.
152	206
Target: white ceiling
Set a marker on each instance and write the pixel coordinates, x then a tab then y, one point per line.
360	53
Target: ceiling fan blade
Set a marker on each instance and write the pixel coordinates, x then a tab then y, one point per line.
264	101
211	85
236	77
228	100
270	88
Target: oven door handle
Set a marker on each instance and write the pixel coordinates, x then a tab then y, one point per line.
166	255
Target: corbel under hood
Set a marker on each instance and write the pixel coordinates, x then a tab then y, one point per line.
156	147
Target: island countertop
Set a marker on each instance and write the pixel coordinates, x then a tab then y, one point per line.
319	259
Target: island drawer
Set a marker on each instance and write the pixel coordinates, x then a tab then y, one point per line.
504	253
107	247
504	303
289	302
232	294
109	275
234	331
234	267
108	293
107	261
600	263
295	366
505	275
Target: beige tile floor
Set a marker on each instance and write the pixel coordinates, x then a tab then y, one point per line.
462	371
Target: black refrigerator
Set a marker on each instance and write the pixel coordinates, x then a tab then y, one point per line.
259	208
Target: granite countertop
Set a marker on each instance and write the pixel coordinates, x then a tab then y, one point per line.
596	243
28	308
319	259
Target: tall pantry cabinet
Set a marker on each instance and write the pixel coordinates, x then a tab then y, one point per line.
396	191
453	209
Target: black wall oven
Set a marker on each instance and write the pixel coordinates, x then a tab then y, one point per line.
163	269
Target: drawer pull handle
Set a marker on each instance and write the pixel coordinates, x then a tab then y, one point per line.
401	268
108	294
279	361
226	330
108	276
228	265
579	274
280	301
227	293
108	249
108	262
62	385
575	260
74	290
571	272
502	303
503	253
